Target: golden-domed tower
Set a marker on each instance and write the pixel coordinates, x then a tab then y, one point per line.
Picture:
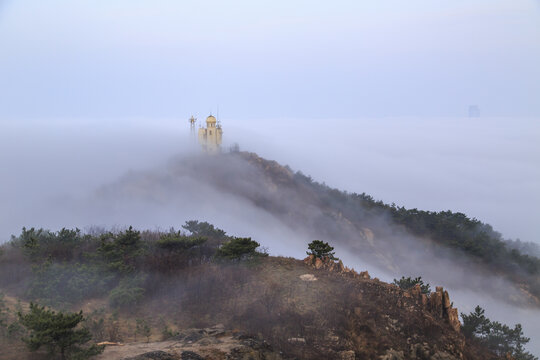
210	137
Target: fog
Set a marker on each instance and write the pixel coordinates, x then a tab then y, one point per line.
486	168
63	173
95	96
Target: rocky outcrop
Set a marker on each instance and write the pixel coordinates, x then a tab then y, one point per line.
337	266
437	303
442	306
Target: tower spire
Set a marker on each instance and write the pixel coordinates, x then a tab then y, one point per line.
192	121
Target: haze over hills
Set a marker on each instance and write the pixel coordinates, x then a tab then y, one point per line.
351	121
446	246
51	171
133	283
284	210
191	296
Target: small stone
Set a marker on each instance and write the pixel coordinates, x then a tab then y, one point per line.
297	340
308	277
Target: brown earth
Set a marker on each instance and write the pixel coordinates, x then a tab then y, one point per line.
281	308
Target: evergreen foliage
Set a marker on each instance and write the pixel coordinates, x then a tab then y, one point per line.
321	249
204	229
69	267
40	244
122	251
451	229
128	292
407	283
58	332
239	249
60	283
178	242
499	338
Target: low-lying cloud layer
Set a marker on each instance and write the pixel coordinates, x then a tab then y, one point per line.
67	175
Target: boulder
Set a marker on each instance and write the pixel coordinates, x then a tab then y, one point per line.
308	277
309	260
215	330
318	263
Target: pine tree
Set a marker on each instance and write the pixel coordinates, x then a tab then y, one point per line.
321	249
57	332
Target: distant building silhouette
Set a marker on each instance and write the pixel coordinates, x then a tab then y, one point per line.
474	111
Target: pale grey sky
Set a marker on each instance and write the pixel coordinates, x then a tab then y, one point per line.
264	59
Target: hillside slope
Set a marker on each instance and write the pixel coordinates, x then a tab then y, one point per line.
279	308
444	247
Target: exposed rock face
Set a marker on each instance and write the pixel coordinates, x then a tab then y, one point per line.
438	303
364	275
335	266
453	319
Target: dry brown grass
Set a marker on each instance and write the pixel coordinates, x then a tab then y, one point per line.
267	298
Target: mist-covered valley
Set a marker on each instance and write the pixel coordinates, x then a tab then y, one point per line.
148	174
